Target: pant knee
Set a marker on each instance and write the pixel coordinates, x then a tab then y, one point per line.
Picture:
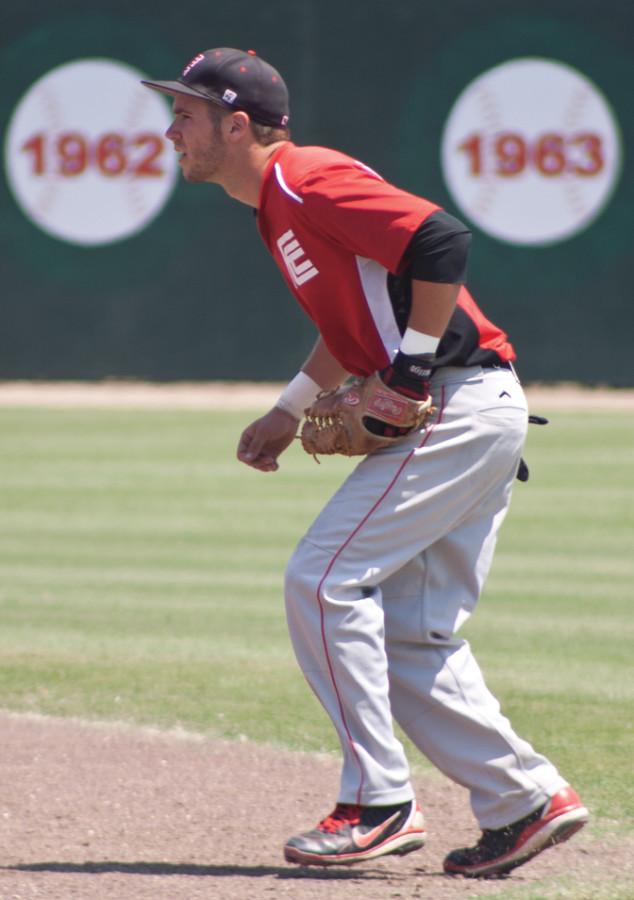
302	575
301	588
295	576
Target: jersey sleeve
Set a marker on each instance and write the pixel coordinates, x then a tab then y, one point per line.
439	250
352	205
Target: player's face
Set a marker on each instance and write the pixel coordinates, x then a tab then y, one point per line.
197	137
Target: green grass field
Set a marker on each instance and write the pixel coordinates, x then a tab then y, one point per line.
141	572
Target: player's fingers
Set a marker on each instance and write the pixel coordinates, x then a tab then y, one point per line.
263	463
243	444
267	464
248	447
251	452
256	444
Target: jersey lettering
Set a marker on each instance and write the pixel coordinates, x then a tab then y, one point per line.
300	268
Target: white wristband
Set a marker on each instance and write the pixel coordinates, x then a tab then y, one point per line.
415	343
298	394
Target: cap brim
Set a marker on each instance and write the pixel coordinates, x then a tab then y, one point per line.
175	87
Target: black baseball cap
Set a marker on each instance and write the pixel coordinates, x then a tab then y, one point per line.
236	80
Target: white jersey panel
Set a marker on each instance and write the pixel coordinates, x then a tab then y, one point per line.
374	283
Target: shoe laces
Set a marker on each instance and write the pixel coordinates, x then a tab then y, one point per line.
343	814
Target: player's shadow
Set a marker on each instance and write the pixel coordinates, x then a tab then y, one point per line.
202	871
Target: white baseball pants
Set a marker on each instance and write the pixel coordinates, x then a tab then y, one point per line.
386	575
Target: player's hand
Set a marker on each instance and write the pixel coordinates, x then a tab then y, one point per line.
409	375
266	438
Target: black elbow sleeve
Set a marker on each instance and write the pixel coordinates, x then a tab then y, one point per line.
439	250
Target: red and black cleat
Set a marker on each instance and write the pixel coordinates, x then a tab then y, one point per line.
353	834
502	849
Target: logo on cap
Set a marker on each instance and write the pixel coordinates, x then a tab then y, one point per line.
229	96
194	62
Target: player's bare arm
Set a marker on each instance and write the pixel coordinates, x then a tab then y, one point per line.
323	368
264	440
432	306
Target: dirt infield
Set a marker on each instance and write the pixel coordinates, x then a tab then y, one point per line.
108	812
250	395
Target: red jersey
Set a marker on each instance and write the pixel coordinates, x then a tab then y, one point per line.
339	232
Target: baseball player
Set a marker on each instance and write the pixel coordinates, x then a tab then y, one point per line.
379	586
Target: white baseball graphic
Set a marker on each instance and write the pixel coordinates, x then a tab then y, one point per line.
85	153
531	151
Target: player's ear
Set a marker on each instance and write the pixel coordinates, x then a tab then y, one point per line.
236	126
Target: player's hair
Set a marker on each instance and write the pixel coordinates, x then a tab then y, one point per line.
269	134
263	134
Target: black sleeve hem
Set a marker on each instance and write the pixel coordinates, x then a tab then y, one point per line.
439	249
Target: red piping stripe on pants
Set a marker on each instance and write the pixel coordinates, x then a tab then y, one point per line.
351	536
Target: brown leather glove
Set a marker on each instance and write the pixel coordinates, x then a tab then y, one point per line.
337	420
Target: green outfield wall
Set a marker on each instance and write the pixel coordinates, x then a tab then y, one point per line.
515	116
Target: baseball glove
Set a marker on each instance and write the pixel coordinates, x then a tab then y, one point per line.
337	421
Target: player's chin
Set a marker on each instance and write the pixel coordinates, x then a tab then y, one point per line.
191	176
189	172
